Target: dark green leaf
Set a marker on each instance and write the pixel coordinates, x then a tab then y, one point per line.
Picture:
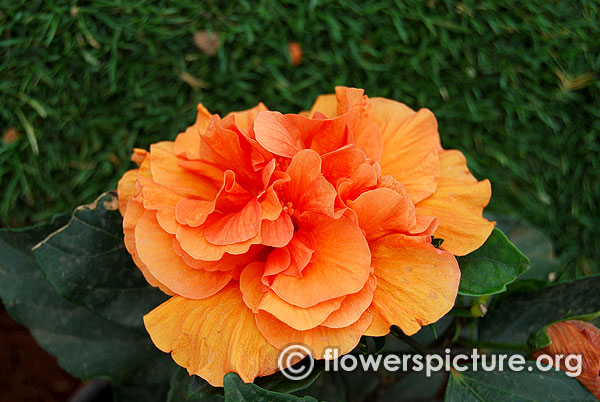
85	344
520	314
540	338
330	386
87	263
359	384
534	244
421	340
348	386
279	383
416	386
237	391
126	392
379	342
179	384
490	268
200	389
17	267
182	389
528	385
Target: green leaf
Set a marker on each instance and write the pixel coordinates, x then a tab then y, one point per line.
355	385
520	314
359	385
371	344
200	389
278	382
179	384
17	266
237	391
490	268
330	386
183	389
529	385
416	386
534	244
87	263
540	338
85	344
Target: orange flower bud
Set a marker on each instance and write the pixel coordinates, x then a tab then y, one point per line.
577	338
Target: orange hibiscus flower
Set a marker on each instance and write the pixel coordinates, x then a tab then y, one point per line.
312	228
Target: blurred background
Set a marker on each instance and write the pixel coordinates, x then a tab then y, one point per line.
514	86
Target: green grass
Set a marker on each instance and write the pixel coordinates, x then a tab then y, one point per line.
514	85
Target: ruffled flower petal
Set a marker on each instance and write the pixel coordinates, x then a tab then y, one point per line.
317	339
458	205
416	284
212	337
339	266
155	249
410	146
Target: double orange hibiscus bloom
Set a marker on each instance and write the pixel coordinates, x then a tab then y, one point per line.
313	228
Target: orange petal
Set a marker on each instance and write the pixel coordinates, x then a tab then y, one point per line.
135	211
416	284
348	97
187	144
155	249
298	317
308	190
127	189
367	136
161	199
258	297
458	204
353	306
224	146
339	266
279	232
139	156
206	170
317	339
270	205
325	104
301	249
342	163
323	135
252	290
365	177
212	337
277	262
244	119
365	132
384	211
291	259
410	146
193	241
222	229
232	196
228	262
277	134
156	196
192	212
167	172
577	338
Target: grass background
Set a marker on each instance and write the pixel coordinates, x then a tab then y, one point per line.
514	85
